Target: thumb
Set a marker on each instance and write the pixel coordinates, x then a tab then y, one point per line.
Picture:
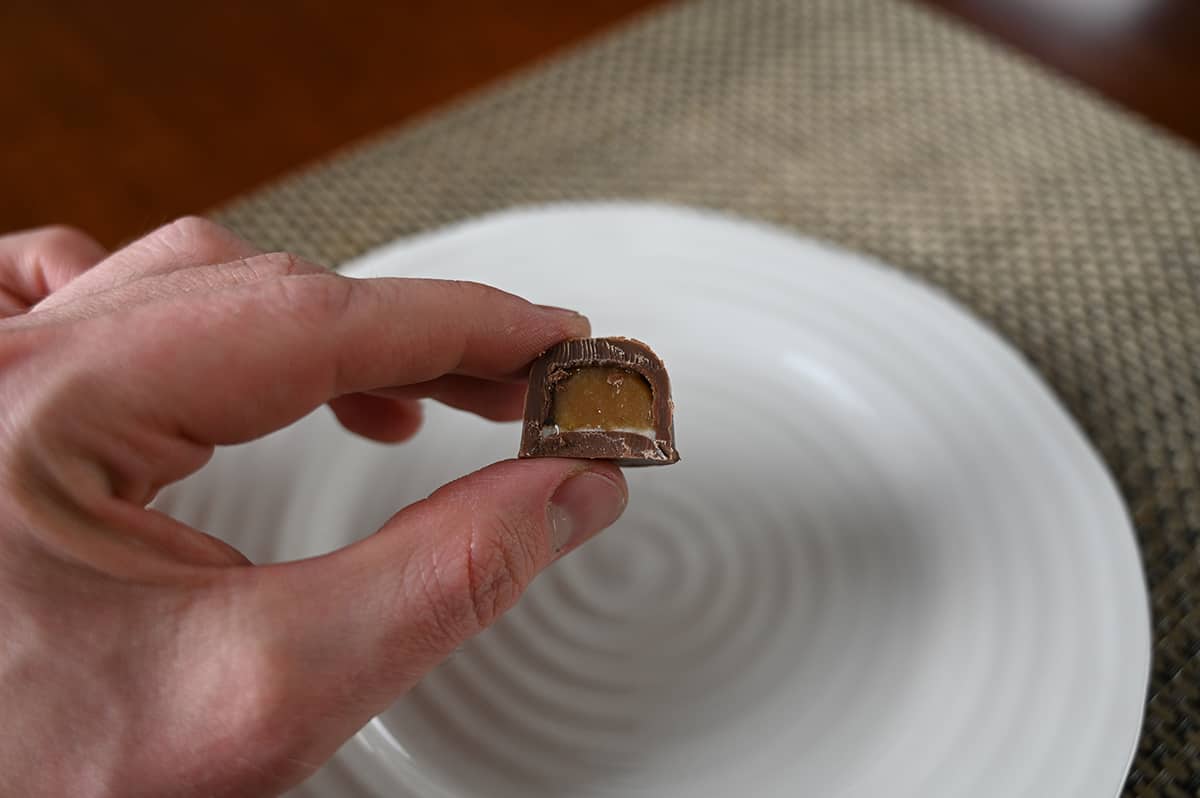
362	624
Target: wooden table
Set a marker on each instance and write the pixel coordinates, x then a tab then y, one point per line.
120	116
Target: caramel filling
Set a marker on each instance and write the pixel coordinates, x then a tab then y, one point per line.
603	398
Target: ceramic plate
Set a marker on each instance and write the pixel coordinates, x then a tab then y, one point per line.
888	563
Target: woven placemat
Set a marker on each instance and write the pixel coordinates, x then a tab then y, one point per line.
1072	228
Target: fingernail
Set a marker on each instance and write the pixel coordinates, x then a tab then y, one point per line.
581	507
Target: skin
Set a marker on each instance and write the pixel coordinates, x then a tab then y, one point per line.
142	657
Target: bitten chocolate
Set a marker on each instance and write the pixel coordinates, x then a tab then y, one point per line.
600	399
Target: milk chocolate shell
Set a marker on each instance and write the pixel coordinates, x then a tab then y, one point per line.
600	399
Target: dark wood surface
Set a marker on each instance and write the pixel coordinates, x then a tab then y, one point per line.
121	115
118	116
1143	54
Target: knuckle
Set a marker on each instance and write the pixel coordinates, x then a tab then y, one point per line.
262	694
447	619
282	264
501	564
469	585
258	714
196	240
188	230
63	238
261	267
318	298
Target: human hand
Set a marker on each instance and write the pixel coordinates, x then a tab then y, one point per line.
139	656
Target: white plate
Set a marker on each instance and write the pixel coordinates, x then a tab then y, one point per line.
888	564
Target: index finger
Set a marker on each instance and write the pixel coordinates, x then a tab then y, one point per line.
232	365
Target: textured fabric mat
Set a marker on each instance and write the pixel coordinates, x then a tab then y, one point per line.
1072	228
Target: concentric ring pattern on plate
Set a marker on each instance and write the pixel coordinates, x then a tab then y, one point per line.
888	563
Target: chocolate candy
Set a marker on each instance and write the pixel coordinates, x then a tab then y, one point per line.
600	399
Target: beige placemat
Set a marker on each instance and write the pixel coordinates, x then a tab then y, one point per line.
1071	227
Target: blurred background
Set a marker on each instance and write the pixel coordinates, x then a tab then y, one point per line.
119	116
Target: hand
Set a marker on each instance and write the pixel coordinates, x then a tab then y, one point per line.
140	656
